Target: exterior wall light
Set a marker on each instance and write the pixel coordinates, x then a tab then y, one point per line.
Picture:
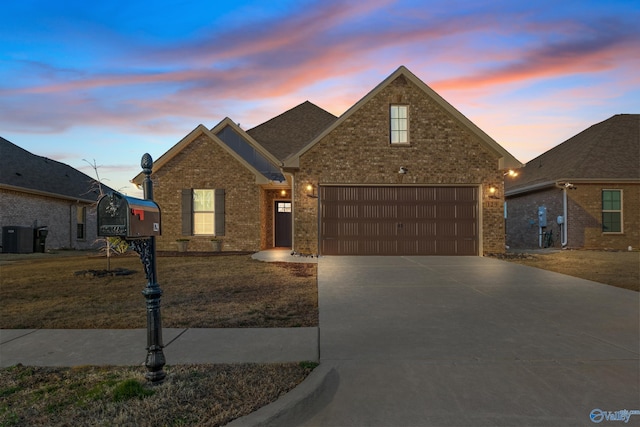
511	173
311	191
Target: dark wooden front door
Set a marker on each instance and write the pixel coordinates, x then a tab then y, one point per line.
283	224
399	220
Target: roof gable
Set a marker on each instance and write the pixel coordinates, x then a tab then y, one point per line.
606	151
249	150
506	159
192	136
290	131
23	171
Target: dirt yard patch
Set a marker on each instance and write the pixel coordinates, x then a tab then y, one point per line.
620	269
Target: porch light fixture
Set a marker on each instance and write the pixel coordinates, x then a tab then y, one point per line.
283	193
493	193
511	173
311	191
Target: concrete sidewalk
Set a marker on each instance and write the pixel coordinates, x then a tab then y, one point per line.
470	341
126	347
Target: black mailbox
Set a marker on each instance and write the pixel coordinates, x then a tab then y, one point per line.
127	217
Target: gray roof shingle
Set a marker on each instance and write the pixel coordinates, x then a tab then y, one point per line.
609	150
22	169
290	131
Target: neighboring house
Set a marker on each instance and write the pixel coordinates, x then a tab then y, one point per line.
401	172
37	192
591	181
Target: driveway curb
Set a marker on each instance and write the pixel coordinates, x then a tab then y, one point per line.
293	406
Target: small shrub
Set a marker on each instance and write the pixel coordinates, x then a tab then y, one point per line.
309	365
130	389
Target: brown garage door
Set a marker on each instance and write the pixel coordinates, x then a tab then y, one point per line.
399	220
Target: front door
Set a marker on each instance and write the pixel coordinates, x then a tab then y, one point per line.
283	224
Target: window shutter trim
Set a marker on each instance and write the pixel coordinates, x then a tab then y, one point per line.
187	211
219	212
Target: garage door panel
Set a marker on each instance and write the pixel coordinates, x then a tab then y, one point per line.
466	247
399	220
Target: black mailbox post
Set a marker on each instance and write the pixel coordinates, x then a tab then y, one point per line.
138	221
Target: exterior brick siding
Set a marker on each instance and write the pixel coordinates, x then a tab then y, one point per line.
358	151
59	215
584	217
203	164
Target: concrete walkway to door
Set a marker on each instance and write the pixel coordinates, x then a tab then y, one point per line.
470	341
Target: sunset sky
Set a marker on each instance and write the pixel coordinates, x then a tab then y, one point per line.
112	80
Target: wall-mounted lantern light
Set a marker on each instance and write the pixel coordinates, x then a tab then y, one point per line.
311	191
493	192
283	193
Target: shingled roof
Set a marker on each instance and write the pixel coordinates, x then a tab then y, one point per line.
23	171
607	151
287	133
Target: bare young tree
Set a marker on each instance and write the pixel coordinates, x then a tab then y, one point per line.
108	244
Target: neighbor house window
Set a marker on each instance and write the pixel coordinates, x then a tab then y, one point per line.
203	212
612	211
81	219
399	118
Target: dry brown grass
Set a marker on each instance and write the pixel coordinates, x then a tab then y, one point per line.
620	269
215	291
198	292
203	395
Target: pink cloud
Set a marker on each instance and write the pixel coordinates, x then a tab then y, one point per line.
584	54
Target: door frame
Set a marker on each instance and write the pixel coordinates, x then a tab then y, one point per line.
275	214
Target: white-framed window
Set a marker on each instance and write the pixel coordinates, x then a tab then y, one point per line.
611	211
399	123
284	207
203	212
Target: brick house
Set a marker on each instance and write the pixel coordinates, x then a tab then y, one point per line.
401	172
39	192
588	187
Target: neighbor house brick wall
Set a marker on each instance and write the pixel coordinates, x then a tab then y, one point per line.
522	217
441	152
584	217
203	164
59	215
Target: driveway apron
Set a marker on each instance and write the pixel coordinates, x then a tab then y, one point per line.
471	341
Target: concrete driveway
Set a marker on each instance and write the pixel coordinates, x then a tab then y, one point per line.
471	341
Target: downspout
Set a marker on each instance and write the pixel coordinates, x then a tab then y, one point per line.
71	226
293	212
564	217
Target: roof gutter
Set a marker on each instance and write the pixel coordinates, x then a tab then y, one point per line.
45	193
529	188
561	181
